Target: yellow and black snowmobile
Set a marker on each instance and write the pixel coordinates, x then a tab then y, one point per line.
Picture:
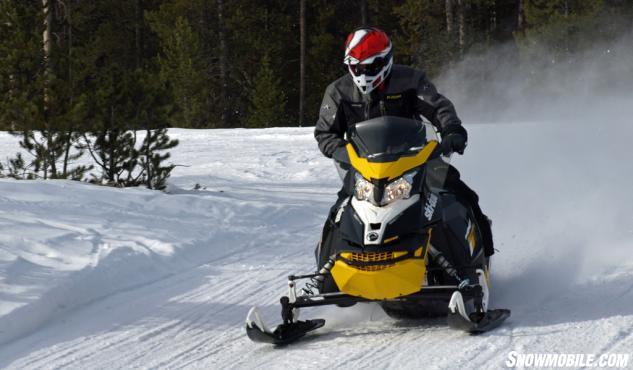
400	238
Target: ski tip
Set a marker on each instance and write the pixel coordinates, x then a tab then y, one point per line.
491	320
283	334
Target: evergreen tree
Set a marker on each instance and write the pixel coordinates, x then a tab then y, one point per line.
254	29
100	64
328	23
267	100
124	92
154	112
424	41
154	154
36	86
557	29
182	68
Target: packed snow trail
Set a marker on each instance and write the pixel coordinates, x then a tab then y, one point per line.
95	277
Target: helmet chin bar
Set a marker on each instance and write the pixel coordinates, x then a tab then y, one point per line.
367	84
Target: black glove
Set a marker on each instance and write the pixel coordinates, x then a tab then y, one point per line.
340	155
455	140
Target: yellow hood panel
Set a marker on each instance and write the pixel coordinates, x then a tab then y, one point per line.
403	278
389	170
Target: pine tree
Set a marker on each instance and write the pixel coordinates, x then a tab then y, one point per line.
327	25
153	151
557	29
124	91
182	69
153	155
254	29
36	86
424	41
267	100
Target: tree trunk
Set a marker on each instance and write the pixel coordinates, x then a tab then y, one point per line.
148	159
47	44
111	134
493	17
47	7
450	17
363	13
137	33
50	139
461	20
302	61
209	43
223	64
68	139
520	16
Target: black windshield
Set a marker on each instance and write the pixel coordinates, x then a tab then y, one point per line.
388	136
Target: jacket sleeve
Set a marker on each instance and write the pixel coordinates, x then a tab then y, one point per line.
437	108
330	128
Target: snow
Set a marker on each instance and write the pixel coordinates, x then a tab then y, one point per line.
96	277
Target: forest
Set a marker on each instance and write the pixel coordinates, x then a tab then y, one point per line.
106	78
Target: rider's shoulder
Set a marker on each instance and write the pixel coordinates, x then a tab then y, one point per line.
342	82
341	86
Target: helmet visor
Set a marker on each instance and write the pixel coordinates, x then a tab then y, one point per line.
370	69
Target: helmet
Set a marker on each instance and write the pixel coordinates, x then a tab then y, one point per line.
368	57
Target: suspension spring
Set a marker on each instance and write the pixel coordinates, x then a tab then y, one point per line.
316	281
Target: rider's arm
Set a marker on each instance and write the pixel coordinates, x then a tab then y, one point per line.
330	128
436	108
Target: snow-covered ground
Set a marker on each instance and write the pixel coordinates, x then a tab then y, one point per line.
96	277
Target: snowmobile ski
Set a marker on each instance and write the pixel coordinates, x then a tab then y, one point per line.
459	319
284	334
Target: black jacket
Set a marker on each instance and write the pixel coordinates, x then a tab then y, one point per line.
407	93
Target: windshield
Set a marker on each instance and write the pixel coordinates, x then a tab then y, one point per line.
388	136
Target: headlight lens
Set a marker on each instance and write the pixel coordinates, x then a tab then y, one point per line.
363	190
400	188
397	189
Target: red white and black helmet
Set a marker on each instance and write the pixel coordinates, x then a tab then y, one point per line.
368	57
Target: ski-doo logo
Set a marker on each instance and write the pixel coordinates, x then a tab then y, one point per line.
429	208
372	236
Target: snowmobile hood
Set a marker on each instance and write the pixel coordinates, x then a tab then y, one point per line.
389	170
386	147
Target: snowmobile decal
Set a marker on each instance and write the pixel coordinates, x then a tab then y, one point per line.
470	237
389	240
429	208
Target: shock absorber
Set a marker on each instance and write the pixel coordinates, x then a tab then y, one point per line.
317	280
439	258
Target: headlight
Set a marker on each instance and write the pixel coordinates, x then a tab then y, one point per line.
363	190
399	189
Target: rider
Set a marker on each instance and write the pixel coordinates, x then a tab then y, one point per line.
376	87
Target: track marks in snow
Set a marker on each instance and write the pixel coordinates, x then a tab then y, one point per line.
190	264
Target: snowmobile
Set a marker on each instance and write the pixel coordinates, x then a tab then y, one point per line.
400	239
